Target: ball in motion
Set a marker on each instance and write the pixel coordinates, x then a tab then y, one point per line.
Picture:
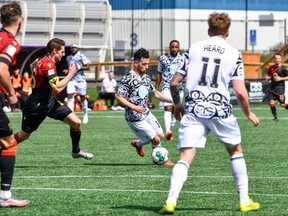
159	155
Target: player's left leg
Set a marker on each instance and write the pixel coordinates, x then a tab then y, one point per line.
239	172
71	89
8	148
63	113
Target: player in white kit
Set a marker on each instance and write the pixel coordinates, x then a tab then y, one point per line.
211	65
167	66
78	82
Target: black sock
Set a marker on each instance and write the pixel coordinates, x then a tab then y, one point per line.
7	169
75	137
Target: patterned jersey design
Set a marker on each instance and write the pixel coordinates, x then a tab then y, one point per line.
8	46
168	65
135	89
277	88
43	80
208	76
79	59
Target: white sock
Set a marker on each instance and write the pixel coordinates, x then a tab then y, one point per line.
173	121
70	103
239	172
4	195
155	146
85	106
167	120
178	178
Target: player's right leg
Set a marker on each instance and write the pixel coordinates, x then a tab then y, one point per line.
178	178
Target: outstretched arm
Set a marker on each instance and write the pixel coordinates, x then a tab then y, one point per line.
159	96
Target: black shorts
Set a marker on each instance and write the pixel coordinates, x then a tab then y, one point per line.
280	98
5	125
32	119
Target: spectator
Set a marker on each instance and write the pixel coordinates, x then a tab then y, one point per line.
16	82
26	87
108	90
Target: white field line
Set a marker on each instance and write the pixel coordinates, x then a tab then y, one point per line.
142	191
146	176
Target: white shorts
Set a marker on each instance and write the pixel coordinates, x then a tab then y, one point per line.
74	86
147	128
167	93
193	131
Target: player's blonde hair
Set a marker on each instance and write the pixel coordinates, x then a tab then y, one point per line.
219	23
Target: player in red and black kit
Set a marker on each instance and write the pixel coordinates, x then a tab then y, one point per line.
277	73
43	101
9	48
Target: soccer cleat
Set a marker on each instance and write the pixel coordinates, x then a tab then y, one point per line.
85	118
169	136
13	202
169	208
82	154
252	206
139	150
169	163
275	120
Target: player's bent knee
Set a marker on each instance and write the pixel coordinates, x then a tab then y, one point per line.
156	140
10	149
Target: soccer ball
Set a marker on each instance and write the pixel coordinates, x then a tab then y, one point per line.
159	155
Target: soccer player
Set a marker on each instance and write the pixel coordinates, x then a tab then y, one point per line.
167	66
213	63
11	23
277	73
78	82
133	94
43	101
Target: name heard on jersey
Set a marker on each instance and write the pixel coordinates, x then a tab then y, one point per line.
214	48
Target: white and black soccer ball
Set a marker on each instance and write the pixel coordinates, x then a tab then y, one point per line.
159	155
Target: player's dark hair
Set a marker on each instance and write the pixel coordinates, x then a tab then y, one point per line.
10	13
141	53
174	41
55	43
219	23
278	53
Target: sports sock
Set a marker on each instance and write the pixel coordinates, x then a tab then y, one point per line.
70	103
5	194
155	146
75	137
84	106
7	163
239	172
178	178
167	120
173	121
273	110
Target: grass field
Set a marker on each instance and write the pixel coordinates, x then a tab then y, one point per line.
118	182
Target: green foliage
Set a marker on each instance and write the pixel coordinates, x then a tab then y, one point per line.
119	182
